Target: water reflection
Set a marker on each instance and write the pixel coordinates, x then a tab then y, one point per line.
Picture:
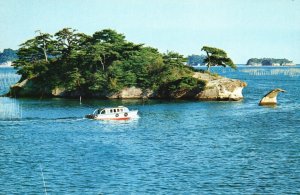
8	77
274	106
10	109
113	125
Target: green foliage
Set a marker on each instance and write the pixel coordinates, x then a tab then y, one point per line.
174	59
185	83
181	86
103	62
141	69
217	57
8	55
108	36
96	82
74	80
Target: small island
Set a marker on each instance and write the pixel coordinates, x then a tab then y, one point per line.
7	56
106	65
269	62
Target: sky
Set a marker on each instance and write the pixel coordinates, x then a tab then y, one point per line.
243	28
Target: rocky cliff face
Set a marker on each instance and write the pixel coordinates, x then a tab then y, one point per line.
216	88
28	88
220	88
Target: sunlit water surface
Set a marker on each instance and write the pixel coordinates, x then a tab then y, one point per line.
175	147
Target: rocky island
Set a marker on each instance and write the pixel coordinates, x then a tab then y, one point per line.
269	62
105	65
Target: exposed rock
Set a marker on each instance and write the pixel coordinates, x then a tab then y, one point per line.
271	97
59	91
63	92
28	88
289	64
131	93
220	88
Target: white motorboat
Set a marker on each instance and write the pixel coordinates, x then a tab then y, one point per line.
114	113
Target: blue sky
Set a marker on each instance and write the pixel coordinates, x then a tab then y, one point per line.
243	28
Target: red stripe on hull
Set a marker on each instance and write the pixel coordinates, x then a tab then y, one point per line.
127	118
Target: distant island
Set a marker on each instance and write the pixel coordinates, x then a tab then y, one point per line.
7	56
196	60
269	62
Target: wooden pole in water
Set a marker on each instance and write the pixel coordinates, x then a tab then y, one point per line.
43	180
80	99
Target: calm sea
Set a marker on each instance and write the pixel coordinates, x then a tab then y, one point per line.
175	147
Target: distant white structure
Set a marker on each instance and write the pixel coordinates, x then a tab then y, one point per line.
276	64
6	64
289	64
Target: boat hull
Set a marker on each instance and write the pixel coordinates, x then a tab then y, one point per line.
115	116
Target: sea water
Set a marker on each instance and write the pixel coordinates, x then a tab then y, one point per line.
175	147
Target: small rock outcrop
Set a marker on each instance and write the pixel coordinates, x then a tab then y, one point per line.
271	97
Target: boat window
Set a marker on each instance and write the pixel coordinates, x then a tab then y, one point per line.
98	111
103	112
111	110
114	110
118	110
121	110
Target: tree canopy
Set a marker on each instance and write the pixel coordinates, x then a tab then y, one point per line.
98	63
217	57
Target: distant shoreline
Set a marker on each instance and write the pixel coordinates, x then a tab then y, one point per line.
9	65
253	66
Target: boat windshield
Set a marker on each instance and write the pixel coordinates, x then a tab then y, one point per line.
102	112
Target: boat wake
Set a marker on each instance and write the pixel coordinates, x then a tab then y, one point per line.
32	119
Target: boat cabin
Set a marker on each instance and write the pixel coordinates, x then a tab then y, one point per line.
119	109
